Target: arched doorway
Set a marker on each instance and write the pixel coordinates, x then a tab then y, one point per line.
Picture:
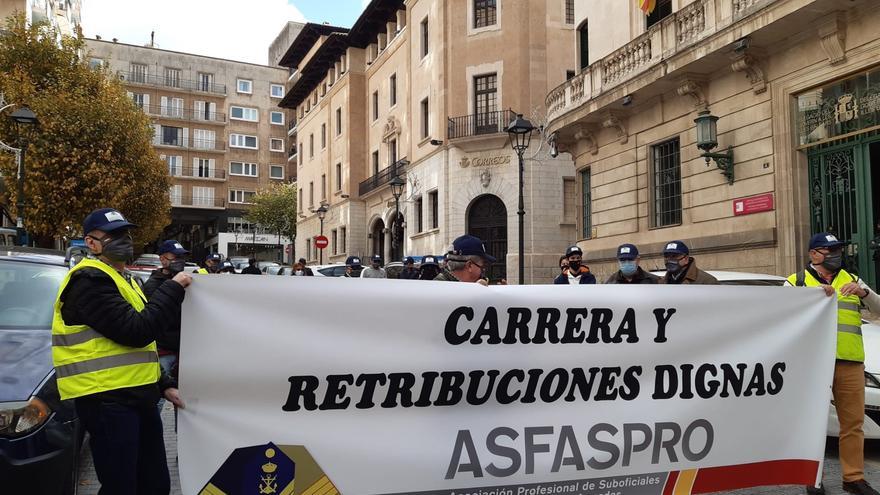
377	234
487	219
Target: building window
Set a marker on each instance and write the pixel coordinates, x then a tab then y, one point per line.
311	145
666	183
245	169
484	13
299	199
569	11
375	162
299	154
392	90
204	167
586	205
245	86
375	105
175	165
583	35
276	144
242	141
342	239
392	152
338	176
424	37
172	78
309	248
311	194
203	196
141	100
323	187
96	63
239	196
276	118
206	82
417	204
138	73
333	240
172	136
243	113
323	136
338	121
662	10
486	103
277	91
426	120
434	206
276	172
569	74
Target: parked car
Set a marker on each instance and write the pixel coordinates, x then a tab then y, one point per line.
334	270
7	236
239	262
40	436
870	334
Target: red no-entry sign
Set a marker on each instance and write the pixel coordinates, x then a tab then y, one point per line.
321	242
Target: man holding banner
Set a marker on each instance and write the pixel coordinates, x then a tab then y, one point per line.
825	270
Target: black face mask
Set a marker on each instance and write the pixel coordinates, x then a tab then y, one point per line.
833	262
574	266
118	249
176	266
673	267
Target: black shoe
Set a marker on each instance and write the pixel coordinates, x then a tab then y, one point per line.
812	490
860	487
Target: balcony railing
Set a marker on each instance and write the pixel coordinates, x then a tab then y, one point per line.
171	82
197	202
183	113
383	177
479	124
190	143
672	36
191	172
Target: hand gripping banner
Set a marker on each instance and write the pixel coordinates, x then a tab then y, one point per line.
364	387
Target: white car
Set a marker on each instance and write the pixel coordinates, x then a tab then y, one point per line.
870	335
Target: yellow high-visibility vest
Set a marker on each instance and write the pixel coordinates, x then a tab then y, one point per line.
201	271
849	320
88	363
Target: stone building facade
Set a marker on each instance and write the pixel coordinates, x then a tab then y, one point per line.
794	85
423	90
218	128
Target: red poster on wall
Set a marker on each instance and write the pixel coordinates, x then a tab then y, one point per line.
753	204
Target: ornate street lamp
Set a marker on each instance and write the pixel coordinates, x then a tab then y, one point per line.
520	132
397	185
322	212
707	140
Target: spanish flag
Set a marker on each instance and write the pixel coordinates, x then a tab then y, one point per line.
647	6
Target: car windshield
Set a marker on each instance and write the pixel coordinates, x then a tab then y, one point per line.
27	294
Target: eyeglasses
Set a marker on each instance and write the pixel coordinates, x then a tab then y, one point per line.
482	267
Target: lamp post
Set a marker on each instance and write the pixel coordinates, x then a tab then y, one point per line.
520	132
707	140
322	212
397	184
22	117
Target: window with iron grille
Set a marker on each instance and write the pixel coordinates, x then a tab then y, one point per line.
569	11
587	204
484	13
666	184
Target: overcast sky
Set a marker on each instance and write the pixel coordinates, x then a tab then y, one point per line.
232	29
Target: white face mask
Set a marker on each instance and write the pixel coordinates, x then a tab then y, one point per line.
299	273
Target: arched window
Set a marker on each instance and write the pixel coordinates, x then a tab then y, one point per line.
583	36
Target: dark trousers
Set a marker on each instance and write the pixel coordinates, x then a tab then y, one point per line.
128	447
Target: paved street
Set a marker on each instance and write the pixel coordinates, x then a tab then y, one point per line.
88	484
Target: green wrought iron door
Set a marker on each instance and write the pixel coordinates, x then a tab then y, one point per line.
841	201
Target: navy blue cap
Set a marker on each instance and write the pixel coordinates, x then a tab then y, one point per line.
375	258
628	252
173	247
214	257
106	220
468	245
227	266
676	247
825	240
573	250
353	261
409	261
429	260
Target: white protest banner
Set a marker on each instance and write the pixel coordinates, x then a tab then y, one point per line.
319	385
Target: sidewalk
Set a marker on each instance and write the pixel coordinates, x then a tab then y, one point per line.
88	482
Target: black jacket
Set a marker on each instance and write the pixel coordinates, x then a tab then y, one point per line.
92	298
586	277
409	274
641	277
251	270
169	340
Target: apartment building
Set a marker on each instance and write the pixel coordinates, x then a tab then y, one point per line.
220	131
63	15
420	92
788	97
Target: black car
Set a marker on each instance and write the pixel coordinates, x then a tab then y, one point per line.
40	436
